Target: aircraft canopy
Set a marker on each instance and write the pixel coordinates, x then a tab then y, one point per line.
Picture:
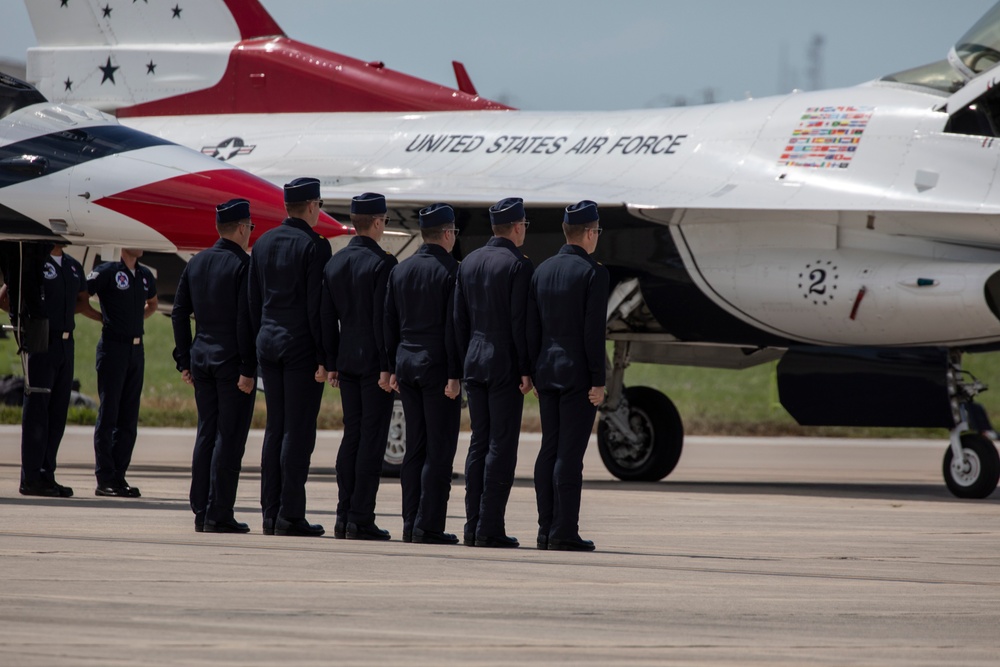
975	52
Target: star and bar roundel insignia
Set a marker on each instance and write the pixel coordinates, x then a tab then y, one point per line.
228	149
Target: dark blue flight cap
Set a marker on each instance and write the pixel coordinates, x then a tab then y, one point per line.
301	189
233	210
370	203
507	211
436	215
581	213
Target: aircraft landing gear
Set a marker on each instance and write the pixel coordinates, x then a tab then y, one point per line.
640	435
975	472
971	464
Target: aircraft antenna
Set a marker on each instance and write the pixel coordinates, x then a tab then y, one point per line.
816	62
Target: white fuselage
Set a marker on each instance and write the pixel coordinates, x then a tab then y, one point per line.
757	195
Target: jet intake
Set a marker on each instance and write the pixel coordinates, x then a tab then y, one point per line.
855	297
857	386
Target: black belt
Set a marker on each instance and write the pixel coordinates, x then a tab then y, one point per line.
64	335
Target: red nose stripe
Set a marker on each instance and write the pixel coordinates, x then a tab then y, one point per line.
183	208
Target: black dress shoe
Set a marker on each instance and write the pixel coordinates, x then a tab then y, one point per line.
199	522
64	491
297	527
367	531
269	526
340	530
111	490
497	542
40	488
542	542
433	537
227	526
130	491
570	544
469	540
408	535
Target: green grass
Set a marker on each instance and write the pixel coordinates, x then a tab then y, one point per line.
710	401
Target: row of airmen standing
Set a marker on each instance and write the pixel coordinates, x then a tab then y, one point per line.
359	321
372	327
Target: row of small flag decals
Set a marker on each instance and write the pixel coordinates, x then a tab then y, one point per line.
826	137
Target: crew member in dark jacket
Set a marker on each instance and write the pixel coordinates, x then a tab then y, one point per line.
424	360
43	416
567	317
221	363
491	297
127	293
354	283
285	284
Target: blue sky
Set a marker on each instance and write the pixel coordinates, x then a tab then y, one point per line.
595	54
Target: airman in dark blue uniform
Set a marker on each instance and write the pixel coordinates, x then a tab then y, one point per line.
354	283
43	417
567	318
285	285
425	365
221	363
127	293
491	297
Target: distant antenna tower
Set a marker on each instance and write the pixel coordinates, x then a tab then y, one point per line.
815	70
786	75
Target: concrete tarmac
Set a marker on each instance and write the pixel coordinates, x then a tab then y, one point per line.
754	552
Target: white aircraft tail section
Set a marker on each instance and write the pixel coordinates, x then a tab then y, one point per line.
187	57
115	55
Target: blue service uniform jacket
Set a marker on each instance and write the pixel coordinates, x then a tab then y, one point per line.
284	293
214	286
354	283
491	298
419	318
61	285
123	297
567	320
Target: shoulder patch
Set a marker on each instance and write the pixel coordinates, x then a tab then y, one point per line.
93	275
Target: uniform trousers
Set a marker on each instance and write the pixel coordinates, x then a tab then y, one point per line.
495	416
432	424
224	415
367	413
120	368
293	398
43	416
567	420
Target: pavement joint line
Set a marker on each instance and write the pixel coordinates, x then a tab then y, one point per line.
494	559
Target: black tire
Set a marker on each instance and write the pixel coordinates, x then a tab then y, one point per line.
977	478
661	438
395	446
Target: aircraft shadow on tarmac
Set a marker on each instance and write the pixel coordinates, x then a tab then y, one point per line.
931	492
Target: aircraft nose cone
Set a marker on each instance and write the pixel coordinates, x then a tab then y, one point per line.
329	227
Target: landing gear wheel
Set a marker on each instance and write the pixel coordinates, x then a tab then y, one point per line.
977	474
656	422
395	446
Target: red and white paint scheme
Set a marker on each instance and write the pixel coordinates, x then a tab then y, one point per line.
853	233
74	174
212	56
